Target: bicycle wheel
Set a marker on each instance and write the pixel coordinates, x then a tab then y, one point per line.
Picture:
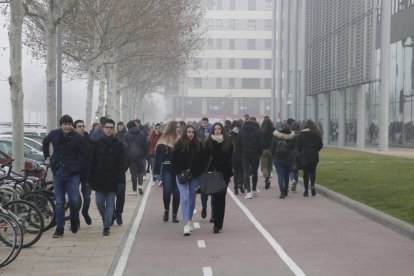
29	218
45	205
11	239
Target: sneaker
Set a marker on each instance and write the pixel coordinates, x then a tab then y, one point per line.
191	226
144	178
74	226
119	220
313	191
58	232
186	231
249	195
254	193
134	193
87	218
216	230
282	196
242	189
141	192
160	183
106	231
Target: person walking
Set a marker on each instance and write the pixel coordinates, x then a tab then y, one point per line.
153	138
162	170
137	146
282	148
236	160
294	173
120	130
266	160
219	149
107	172
251	151
188	154
79	127
69	156
309	145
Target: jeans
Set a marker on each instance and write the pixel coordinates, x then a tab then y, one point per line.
250	167
86	194
188	198
283	168
153	167
66	184
105	203
169	187
309	171
294	175
137	170
266	162
120	200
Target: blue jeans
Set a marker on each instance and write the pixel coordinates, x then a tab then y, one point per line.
61	185
294	175
169	187
86	194
105	202
188	198
283	169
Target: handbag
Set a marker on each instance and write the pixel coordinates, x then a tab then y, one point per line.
212	182
186	175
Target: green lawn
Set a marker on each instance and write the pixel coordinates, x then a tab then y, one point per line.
385	183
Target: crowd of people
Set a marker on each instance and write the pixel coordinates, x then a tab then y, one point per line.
100	159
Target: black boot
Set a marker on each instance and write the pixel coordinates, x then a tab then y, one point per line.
241	189
236	190
305	193
313	190
267	183
174	218
165	217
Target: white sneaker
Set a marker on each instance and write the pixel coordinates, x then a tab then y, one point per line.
186	231
254	193
249	196
141	192
132	193
160	183
144	177
191	226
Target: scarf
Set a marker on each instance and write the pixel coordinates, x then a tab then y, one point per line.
217	138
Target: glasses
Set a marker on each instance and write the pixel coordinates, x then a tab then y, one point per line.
108	127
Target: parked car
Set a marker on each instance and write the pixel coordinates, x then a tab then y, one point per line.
27	140
28	163
29	152
30	129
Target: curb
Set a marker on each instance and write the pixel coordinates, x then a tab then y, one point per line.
391	222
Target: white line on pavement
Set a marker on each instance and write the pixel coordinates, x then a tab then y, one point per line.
119	270
196	225
201	244
207	271
279	250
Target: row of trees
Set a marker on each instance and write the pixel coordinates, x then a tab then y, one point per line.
131	47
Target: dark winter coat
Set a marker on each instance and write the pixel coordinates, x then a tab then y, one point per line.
266	138
107	166
287	135
250	139
88	148
163	155
221	159
236	157
69	153
310	144
180	160
137	144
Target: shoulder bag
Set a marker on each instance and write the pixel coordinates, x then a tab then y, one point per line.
212	182
185	175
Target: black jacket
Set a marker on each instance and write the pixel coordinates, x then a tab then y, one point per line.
236	158
107	166
309	144
289	137
69	151
137	144
180	160
221	159
163	153
88	148
250	139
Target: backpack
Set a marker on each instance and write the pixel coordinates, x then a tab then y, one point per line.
282	148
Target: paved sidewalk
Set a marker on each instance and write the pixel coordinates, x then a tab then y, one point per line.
87	252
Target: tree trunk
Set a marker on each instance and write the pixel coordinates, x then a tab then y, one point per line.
89	95
51	66
111	91
117	115
16	81
101	99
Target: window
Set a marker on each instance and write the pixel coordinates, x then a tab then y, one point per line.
251	25
231	83
219	44
252	5
231	63
219	63
269	4
268	64
232	44
232	4
218	83
219	24
232	24
210	43
250	63
268	25
268	44
268	83
251	83
210	24
251	44
197	83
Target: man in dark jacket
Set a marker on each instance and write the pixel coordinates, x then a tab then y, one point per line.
107	172
69	156
137	145
251	151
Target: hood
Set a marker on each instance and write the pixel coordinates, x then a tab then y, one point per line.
284	133
134	131
250	126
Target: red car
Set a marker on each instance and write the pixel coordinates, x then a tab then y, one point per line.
28	163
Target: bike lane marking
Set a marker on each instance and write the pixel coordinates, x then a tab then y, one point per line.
275	245
119	270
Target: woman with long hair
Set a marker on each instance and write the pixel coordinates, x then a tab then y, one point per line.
309	145
188	154
266	135
162	170
219	149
